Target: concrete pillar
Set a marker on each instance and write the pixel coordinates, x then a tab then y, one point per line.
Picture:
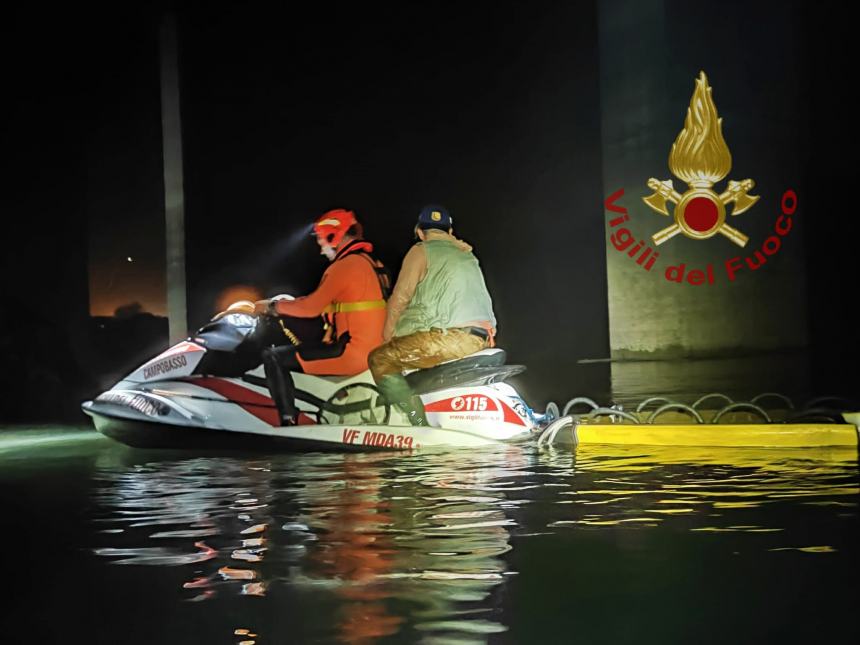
651	52
174	200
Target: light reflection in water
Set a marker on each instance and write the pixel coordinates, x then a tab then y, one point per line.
642	487
759	545
419	547
398	545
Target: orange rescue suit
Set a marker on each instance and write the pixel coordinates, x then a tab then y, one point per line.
351	278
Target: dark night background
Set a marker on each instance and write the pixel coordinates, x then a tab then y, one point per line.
492	109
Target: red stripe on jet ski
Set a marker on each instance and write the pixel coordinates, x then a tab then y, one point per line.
250	401
510	415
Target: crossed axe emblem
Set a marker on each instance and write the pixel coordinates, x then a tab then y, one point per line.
700	213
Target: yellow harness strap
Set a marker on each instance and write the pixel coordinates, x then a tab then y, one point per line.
361	305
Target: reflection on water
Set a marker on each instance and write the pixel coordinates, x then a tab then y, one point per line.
647	488
619	544
390	545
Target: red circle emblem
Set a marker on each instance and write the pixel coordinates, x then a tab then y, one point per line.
701	214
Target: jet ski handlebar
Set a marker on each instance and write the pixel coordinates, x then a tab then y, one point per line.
247	307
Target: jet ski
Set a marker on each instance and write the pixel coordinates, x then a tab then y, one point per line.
209	391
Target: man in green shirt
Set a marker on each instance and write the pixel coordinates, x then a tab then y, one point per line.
439	311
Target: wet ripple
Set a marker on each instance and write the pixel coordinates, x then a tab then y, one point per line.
420	546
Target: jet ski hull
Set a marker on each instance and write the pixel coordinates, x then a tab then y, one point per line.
149	434
143	432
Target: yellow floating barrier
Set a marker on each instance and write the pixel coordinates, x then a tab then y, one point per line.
760	435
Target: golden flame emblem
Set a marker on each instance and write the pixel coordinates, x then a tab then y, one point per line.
701	158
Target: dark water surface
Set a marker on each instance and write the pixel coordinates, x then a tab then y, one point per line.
107	544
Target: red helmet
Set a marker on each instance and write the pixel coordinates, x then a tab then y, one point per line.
333	225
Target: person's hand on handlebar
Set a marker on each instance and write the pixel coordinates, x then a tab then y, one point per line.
267	307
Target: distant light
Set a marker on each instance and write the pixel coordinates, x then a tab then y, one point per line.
129	259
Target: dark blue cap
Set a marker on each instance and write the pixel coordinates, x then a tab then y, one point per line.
434	216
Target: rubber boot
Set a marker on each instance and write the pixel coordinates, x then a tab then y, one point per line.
414	410
281	386
397	392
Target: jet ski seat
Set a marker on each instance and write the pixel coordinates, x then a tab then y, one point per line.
482	358
482	367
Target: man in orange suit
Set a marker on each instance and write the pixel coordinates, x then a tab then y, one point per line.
351	296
